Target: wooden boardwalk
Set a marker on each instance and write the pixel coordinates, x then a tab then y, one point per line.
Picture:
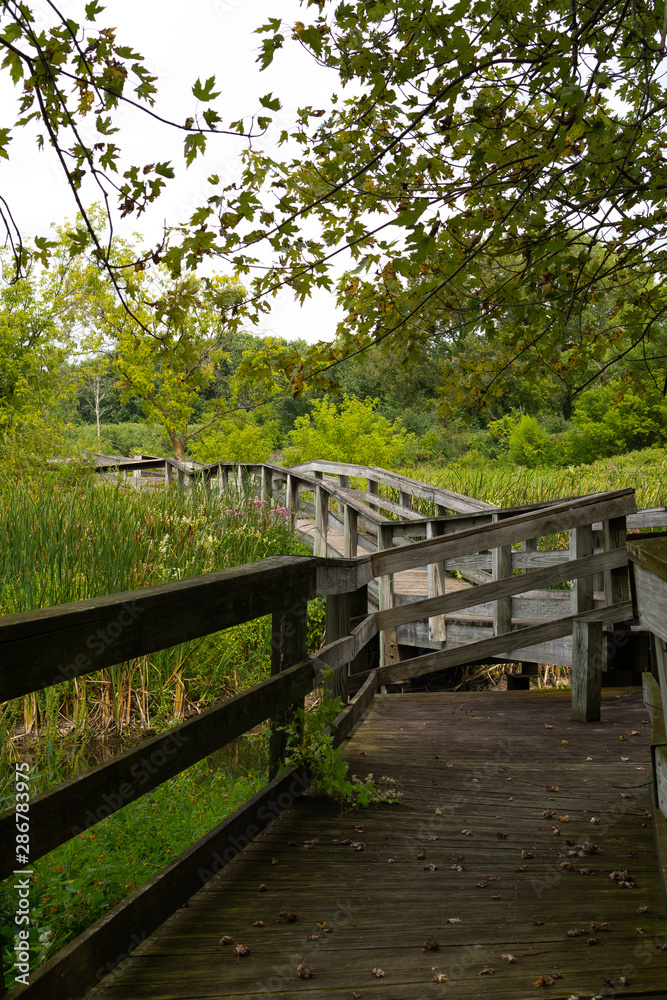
480	855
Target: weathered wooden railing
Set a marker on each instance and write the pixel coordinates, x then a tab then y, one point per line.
41	648
648	573
44	647
321	491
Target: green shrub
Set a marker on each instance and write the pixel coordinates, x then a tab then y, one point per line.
614	418
529	444
237	441
355	433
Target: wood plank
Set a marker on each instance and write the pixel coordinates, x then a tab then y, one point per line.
453	755
503	588
49	645
60	814
560	517
650	586
498	645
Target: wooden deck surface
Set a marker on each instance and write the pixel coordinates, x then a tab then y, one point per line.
411	582
481	774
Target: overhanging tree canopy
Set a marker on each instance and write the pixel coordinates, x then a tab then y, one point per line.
492	159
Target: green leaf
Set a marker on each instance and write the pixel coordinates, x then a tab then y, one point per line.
205	91
270	102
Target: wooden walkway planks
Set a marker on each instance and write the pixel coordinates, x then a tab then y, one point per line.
477	762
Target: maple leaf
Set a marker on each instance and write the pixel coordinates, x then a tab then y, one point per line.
378	973
258	923
431	945
241	949
286	917
440	977
304	973
226	939
510	959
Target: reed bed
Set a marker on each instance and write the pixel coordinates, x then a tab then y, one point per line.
61	544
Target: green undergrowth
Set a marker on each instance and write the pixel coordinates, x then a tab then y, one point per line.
77	883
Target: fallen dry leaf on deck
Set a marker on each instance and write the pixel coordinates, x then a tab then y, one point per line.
430	945
537	922
555	830
313	937
564	741
466	833
440	977
432	838
263	888
304	973
641	909
626	795
241	949
527	854
552	788
548	813
635	732
544	981
258	923
576	932
360	827
623	878
458	868
564	819
430	867
453	920
501	836
458	857
488	971
438	812
286	917
226	939
592	941
495	896
599	927
274	861
390	861
622	737
378	973
522	868
586	871
421	855
547	726
640	930
356	996
567	866
508	958
623	981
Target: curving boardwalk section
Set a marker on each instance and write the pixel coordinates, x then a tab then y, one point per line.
498	789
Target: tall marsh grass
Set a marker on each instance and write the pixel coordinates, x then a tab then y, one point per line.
61	543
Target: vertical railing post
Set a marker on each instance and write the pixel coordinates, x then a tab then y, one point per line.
181	479
529	668
374	489
321	521
616	583
223	473
350	532
266	491
168	474
288	647
405	499
343	481
501	567
388	640
436	587
359	611
292	496
586	671
338	617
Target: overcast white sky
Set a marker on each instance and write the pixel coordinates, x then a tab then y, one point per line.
181	42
